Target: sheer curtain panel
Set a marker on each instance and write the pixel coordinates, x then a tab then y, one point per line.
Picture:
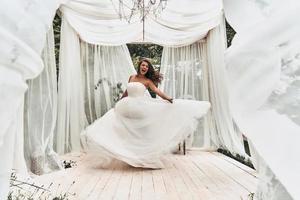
40	114
197	71
182	68
263	73
91	79
106	70
22	36
70	117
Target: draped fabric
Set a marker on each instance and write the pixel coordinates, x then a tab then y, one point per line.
197	72
180	23
23	31
106	72
12	151
268	186
91	79
71	118
182	68
40	114
230	138
263	72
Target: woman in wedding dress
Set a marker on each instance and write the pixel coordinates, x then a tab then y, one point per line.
141	129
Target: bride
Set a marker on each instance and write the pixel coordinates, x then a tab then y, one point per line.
140	129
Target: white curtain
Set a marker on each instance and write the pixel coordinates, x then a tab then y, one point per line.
91	77
40	115
269	187
197	72
22	36
182	68
228	136
180	23
71	117
106	72
263	72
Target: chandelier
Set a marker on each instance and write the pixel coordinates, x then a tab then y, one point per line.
127	9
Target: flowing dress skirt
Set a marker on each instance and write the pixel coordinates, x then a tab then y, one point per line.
140	130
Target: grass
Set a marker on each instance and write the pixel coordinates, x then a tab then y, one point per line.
28	190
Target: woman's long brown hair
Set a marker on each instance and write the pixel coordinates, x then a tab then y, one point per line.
153	75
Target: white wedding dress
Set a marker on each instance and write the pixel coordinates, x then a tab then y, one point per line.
140	129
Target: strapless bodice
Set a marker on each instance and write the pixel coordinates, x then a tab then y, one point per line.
135	89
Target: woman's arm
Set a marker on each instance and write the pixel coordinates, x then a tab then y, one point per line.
125	94
158	92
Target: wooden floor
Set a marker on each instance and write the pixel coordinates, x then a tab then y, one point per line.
197	175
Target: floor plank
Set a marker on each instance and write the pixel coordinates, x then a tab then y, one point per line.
239	175
236	163
226	183
159	185
136	184
123	189
109	190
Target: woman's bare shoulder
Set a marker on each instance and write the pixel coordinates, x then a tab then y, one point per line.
131	77
149	82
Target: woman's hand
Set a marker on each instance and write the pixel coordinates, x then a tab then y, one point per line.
170	100
125	94
158	92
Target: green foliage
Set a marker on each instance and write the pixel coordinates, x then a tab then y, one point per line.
251	196
28	190
151	51
237	157
116	89
56	30
229	33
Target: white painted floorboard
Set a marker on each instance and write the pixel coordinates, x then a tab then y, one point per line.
197	175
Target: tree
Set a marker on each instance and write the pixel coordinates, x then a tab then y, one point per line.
151	51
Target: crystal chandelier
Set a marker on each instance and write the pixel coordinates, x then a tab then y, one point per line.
127	9
139	9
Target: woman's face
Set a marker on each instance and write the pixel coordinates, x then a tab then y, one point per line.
144	68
